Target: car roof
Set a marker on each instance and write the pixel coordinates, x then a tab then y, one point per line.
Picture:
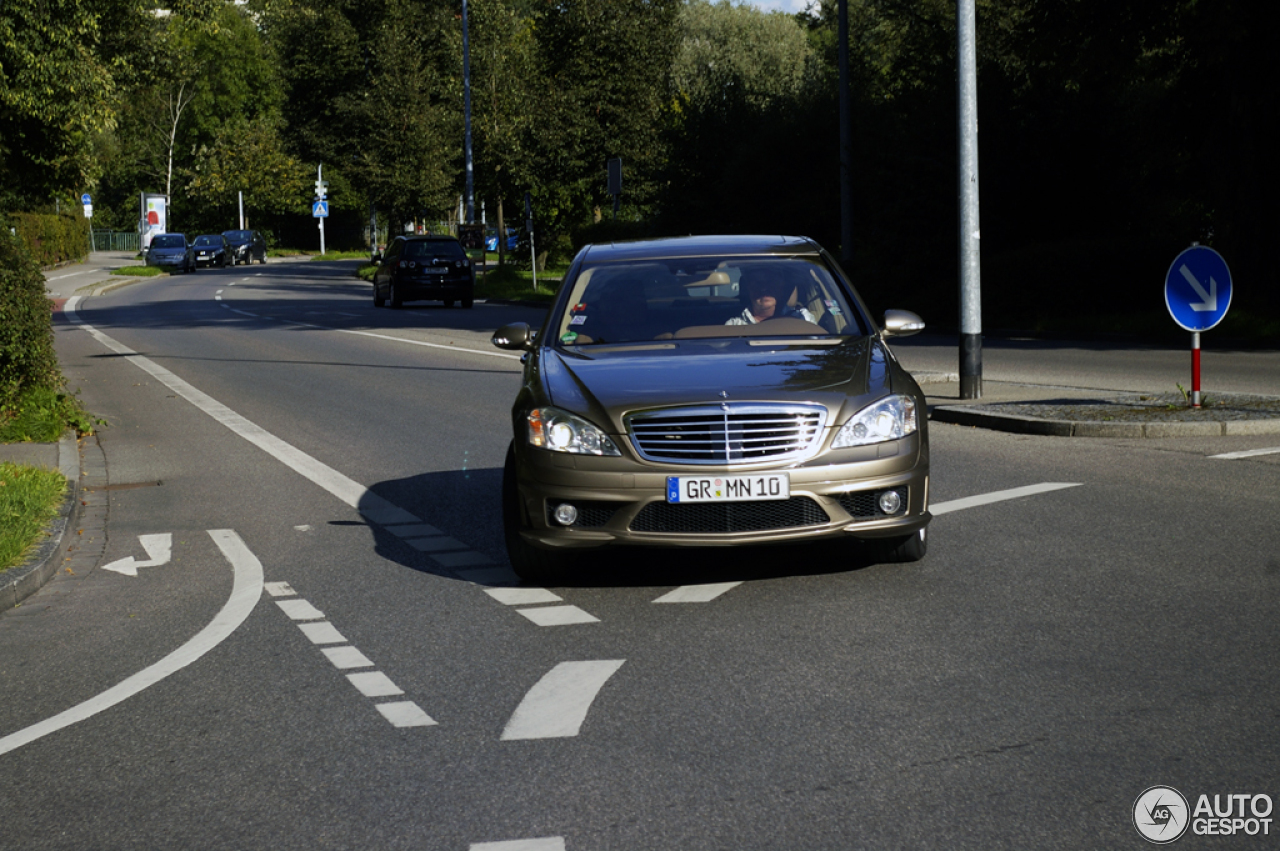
432	237
699	246
210	235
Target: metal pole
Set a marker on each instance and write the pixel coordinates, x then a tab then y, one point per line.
240	196
1195	369
320	177
466	110
846	141
970	234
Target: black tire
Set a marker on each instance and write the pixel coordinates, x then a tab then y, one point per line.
902	550
378	300
263	259
468	301
397	299
529	562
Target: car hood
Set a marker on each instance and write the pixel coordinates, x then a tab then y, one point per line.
606	383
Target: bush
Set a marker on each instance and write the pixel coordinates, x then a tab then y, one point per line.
27	356
53	237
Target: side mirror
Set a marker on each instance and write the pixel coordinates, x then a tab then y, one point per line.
902	323
517	336
376	257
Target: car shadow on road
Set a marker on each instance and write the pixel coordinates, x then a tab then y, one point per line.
465	506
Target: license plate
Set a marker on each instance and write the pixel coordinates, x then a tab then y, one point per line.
728	488
203	255
436	270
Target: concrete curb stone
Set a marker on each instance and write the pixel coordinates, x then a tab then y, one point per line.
18	583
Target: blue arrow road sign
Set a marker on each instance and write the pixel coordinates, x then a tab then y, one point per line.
320	210
85	199
1197	289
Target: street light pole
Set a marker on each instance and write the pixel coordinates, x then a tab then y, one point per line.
970	234
466	109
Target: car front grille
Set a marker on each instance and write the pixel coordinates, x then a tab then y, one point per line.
728	433
709	518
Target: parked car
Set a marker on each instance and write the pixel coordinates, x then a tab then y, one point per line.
417	268
212	249
171	251
246	246
653	412
491	239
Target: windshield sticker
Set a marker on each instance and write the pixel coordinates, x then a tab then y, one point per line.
568	337
832	307
580	319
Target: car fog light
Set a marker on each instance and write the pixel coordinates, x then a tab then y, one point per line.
890	502
566	514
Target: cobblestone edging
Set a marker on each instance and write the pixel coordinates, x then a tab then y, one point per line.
1132	415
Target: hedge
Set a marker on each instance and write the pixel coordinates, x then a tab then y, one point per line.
27	356
53	238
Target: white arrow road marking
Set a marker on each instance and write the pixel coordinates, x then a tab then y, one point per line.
1208	300
546	843
158	547
557	704
998	496
246	590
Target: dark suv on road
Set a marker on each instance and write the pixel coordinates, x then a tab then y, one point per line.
246	246
419	268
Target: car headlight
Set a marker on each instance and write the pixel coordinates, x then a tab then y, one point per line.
891	418
560	431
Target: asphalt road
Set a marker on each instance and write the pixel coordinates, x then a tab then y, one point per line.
359	672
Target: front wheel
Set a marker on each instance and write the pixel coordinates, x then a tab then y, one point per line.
397	299
529	562
378	300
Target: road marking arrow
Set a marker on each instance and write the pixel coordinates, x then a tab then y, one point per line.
1208	300
158	547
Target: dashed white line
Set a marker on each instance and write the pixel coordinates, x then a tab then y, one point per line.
322	633
1248	453
374	684
405	713
998	496
545	843
523	596
346	657
300	610
558	616
697	593
557	704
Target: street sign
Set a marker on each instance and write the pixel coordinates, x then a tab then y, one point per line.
320	209
322	188
88	211
86	199
1197	289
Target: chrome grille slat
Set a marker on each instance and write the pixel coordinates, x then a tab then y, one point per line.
734	432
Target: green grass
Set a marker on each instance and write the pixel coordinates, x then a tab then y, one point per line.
339	255
139	271
41	415
29	499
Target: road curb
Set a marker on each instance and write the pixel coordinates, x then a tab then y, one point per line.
974	416
19	583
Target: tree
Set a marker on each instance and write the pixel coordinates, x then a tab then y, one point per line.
246	157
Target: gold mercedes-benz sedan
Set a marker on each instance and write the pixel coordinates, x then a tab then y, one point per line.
712	391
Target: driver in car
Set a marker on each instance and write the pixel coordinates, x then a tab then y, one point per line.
768	294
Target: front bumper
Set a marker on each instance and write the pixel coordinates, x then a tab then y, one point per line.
622	501
419	288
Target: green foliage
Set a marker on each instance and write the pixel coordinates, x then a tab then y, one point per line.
29	499
138	271
41	415
27	357
51	237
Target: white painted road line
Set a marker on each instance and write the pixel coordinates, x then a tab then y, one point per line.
405	713
322	633
546	843
697	593
558	616
246	590
998	496
346	657
279	589
300	610
1248	453
558	703
523	596
374	684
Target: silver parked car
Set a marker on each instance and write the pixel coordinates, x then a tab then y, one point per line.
171	251
712	391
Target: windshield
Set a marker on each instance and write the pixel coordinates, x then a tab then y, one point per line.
165	240
208	240
684	298
239	235
434	248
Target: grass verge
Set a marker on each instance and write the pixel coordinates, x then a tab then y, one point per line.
138	271
29	499
41	415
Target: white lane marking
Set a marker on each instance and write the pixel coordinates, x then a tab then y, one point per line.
557	704
322	633
405	713
374	684
300	610
346	657
697	593
1248	453
246	590
279	589
523	596
158	547
558	616
998	496
545	843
